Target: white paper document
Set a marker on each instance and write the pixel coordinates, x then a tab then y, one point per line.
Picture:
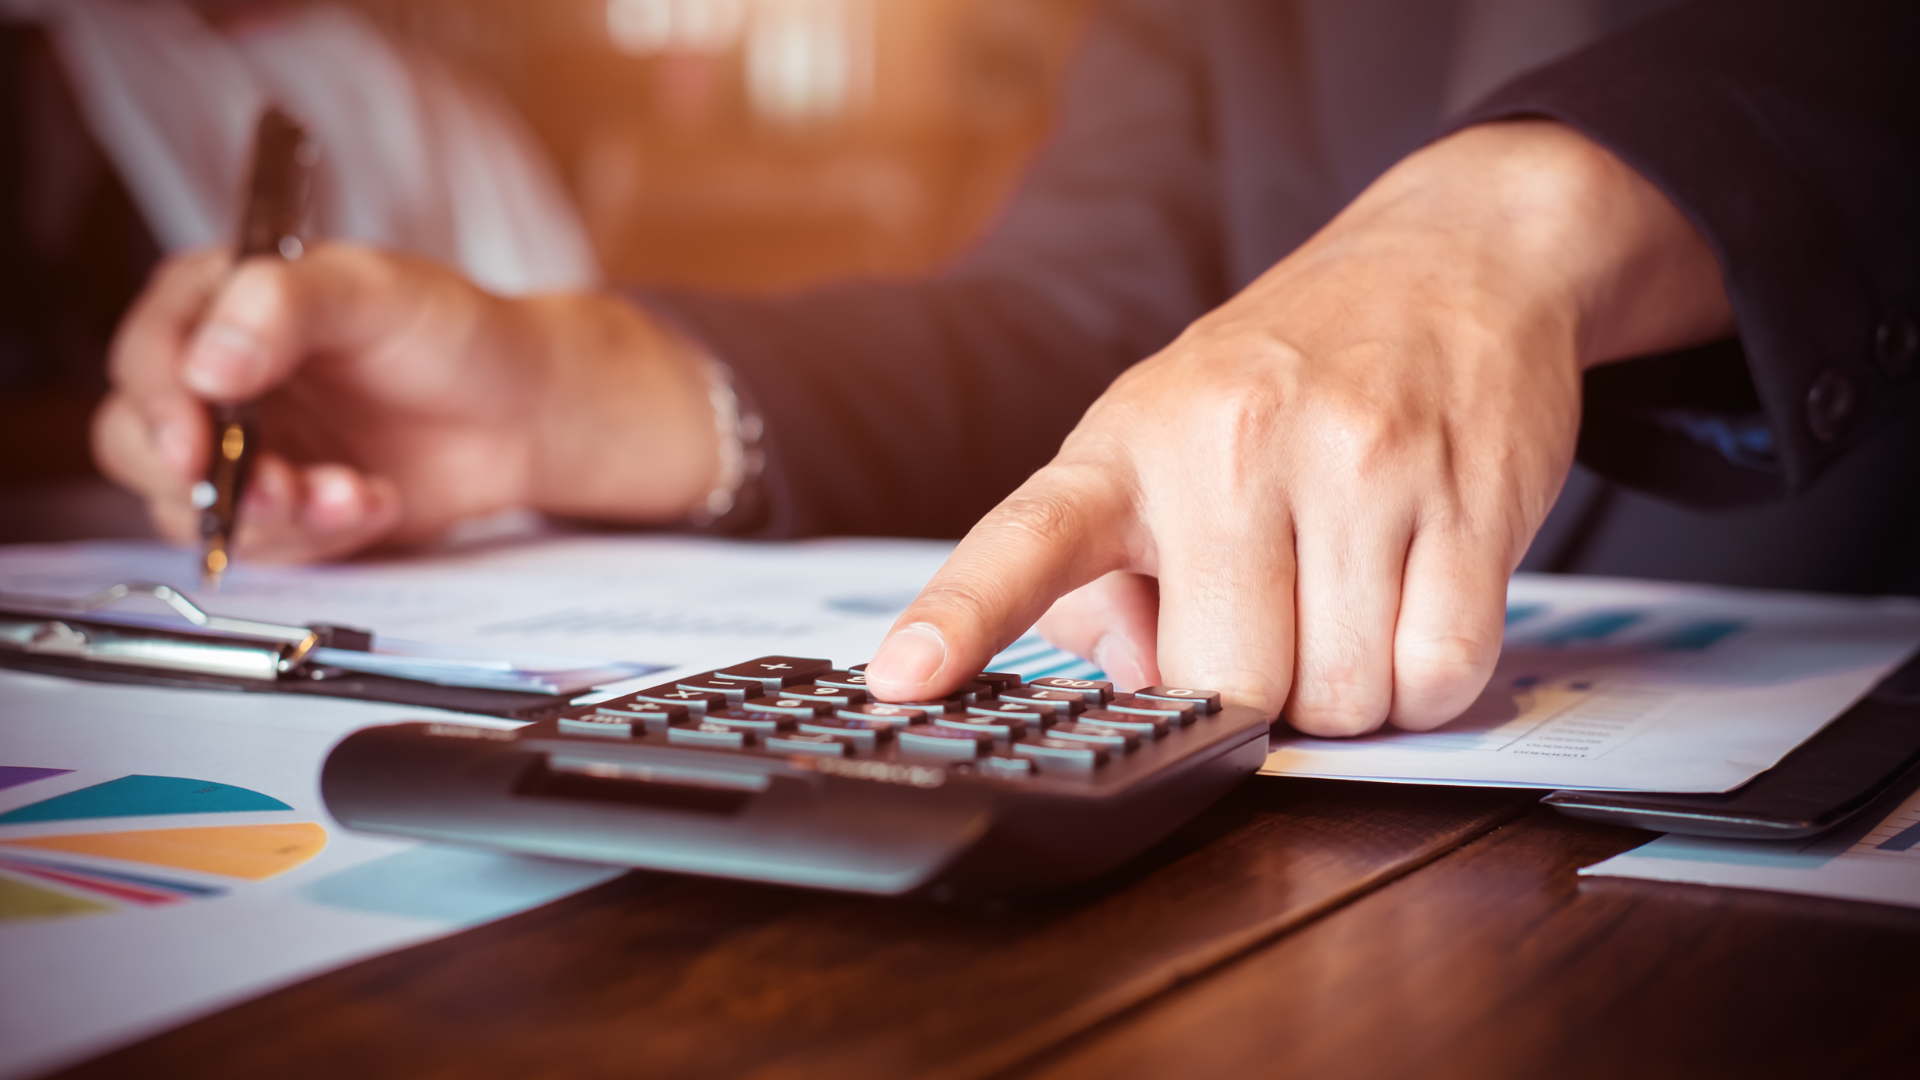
676	602
1639	686
1879	862
165	853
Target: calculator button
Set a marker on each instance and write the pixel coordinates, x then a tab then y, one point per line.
1205	701
974	691
734	690
1015	767
765	723
836	696
1002	728
1063	701
944	742
1001	681
848	680
788	706
933	708
708	734
652	714
1062	754
862	735
893	716
1031	711
1093	691
695	700
1141	724
1111	738
609	727
815	745
1178	713
774	672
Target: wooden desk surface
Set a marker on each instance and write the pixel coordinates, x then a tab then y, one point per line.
1301	928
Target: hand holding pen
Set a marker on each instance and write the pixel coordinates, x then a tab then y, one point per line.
398	399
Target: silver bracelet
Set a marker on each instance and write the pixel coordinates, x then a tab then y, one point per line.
741	458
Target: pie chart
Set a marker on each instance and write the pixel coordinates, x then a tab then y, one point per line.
107	862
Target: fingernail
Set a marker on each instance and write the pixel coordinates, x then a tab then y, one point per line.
1121	661
223	360
174	443
913	655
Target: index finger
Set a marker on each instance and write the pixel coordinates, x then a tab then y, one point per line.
1067	525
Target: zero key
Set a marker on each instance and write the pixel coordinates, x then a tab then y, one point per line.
1206	701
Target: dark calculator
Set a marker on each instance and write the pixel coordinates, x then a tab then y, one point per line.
783	769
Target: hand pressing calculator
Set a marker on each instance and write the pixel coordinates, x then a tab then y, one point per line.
782	769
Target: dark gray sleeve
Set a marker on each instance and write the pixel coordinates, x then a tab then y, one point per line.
1789	133
910	409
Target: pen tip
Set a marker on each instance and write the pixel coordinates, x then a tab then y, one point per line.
213	569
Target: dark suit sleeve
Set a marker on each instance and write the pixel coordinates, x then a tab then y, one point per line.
910	409
1789	133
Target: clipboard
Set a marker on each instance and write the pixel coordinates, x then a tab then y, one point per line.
191	648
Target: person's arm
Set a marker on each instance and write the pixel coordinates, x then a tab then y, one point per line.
911	408
1315	496
1788	133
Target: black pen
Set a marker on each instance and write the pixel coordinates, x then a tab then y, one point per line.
270	226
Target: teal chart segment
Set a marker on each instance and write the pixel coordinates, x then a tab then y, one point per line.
135	796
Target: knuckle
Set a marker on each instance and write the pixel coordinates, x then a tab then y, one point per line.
1436	678
1043	510
1354	432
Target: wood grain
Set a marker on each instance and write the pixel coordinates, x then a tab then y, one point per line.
663	977
1497	961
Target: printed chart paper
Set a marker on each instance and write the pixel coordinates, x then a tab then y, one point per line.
165	853
1639	686
1878	863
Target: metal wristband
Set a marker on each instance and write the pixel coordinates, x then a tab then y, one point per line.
741	459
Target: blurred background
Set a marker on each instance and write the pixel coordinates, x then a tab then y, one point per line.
733	144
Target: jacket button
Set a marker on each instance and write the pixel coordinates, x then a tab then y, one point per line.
1829	404
1896	344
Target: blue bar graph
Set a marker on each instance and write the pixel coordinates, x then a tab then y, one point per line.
1032	658
1697	636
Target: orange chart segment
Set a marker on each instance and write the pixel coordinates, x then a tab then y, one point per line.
252	852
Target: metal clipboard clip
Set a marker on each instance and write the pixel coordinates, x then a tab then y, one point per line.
215	645
190	647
